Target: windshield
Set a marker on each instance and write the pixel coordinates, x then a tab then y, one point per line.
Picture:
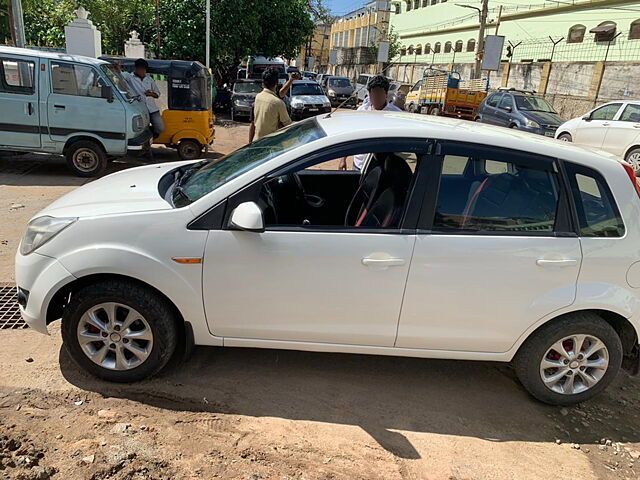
218	172
247	87
533	104
118	80
339	82
306	89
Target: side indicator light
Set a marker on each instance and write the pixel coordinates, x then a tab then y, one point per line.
187	260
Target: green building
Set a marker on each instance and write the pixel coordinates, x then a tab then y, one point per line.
446	32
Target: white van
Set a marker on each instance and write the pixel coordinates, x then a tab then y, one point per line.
361	85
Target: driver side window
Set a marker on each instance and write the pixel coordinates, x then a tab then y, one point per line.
320	195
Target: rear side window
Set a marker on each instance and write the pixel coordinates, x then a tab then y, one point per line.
362	80
493	99
17	76
598	214
631	113
494	195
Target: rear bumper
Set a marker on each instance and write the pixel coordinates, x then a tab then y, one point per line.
137	143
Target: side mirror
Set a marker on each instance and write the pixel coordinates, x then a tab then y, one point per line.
106	92
508	109
587	117
248	216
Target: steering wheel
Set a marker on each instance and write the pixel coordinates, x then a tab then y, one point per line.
301	194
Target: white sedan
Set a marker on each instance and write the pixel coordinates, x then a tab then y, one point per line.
613	127
456	240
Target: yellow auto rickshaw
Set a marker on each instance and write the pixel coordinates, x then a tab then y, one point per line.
185	101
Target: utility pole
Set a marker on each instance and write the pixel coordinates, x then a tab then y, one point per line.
158	30
483	23
207	33
17	23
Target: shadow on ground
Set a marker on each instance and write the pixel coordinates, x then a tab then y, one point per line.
380	394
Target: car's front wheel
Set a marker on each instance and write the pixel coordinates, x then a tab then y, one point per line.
119	331
565	137
570	359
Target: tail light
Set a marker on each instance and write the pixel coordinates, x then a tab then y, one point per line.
632	176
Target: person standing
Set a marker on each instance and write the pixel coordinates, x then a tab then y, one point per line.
269	110
144	86
378	88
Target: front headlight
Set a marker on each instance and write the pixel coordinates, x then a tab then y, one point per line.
326	104
241	103
531	123
297	103
332	93
42	229
137	123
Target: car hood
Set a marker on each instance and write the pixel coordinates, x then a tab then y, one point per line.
310	99
128	191
342	90
544	118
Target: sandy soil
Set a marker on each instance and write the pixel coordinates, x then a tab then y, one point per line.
266	414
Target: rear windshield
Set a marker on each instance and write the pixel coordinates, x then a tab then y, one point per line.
206	178
247	87
306	89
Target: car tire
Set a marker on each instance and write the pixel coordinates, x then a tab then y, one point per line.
435	111
569	388
189	149
633	159
565	137
86	158
157	318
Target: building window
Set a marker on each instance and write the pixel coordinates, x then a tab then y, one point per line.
425	3
410	50
605	32
398	8
634	31
403	52
416	4
447	47
437	47
459	46
576	34
433	2
471	45
418	49
427	48
409	4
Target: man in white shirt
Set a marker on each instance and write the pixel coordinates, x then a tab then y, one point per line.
146	87
378	88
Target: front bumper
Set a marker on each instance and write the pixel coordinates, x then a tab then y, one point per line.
42	277
308	111
339	99
242	109
542	130
137	143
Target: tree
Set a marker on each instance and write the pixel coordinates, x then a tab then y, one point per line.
394	44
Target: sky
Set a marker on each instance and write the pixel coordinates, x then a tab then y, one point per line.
340	7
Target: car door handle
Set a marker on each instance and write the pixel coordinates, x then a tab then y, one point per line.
30	108
606	124
383	262
564	262
61	107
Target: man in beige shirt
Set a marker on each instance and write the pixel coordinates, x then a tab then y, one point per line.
269	111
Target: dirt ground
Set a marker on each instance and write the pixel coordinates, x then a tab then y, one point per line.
268	414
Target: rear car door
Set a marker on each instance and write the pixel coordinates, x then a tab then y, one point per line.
592	130
20	117
624	130
487	268
489	109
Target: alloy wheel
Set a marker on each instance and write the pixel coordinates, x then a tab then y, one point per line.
574	364
634	161
115	336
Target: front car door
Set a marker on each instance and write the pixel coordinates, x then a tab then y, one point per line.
74	101
624	130
495	252
592	129
302	281
504	110
19	93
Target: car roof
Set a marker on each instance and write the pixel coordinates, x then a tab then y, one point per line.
30	52
371	124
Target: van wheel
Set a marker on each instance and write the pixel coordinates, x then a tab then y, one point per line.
569	360
119	331
86	158
189	149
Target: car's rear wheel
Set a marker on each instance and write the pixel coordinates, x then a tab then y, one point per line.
633	158
119	331
565	137
569	360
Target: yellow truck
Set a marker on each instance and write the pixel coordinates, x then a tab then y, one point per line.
441	92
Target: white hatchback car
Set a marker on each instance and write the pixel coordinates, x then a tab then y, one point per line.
613	127
457	240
